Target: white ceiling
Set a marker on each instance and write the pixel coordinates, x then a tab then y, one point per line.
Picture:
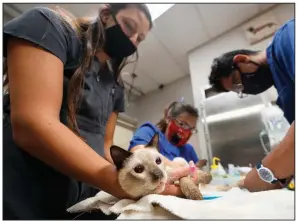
163	56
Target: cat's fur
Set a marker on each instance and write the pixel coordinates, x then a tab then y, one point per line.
154	177
152	180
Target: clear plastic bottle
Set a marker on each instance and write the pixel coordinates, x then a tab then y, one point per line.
276	125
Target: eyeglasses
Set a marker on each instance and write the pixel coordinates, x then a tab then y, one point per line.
184	125
237	85
238	88
129	27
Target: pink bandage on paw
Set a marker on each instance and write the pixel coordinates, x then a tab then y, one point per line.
192	168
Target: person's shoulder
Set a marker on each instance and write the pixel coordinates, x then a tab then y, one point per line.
59	19
281	51
41	9
144	134
42	19
43	13
149	126
46	28
288	28
289	24
149	129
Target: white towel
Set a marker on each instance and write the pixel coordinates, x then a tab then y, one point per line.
234	204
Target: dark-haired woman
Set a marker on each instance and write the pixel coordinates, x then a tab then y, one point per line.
175	129
64	95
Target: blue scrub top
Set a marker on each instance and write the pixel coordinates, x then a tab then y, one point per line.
144	134
281	60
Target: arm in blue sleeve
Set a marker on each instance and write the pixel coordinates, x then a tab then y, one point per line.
291	30
142	136
285	52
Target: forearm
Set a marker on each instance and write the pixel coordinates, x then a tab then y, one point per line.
172	190
57	146
281	161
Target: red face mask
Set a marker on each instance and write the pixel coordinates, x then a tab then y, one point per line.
177	135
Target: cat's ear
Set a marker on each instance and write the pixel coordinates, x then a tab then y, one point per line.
119	155
154	141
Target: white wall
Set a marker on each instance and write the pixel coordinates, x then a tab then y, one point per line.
151	107
122	136
200	59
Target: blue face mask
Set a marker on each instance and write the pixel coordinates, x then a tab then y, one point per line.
258	81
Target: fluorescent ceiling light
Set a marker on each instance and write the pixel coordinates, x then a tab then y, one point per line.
157	10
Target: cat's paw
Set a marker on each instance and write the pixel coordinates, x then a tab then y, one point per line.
194	194
190	189
204	177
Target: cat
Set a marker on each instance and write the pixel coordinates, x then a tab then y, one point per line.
143	172
140	173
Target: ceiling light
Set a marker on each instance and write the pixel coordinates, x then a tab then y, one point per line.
157	10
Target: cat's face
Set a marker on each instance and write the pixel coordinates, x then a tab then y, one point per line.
141	172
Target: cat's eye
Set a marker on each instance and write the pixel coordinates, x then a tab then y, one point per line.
158	160
139	169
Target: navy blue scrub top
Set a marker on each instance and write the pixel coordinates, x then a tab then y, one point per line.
281	60
31	189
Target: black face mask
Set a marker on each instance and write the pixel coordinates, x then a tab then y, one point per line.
258	81
175	139
117	44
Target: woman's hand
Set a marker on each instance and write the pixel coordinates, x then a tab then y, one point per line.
177	174
281	162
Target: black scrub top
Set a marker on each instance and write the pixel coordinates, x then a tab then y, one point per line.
31	189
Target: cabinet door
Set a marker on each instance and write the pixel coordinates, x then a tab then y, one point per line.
123	136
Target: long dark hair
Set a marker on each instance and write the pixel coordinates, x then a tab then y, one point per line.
92	34
174	110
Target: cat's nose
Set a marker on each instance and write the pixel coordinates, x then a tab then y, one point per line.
156	174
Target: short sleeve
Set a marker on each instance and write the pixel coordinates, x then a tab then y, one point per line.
291	42
119	105
142	136
41	26
287	48
283	50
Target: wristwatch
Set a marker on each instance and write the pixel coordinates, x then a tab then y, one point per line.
266	175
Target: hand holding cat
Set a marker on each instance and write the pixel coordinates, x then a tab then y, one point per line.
187	177
177	173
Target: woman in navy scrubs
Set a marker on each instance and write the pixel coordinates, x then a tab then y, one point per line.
61	110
